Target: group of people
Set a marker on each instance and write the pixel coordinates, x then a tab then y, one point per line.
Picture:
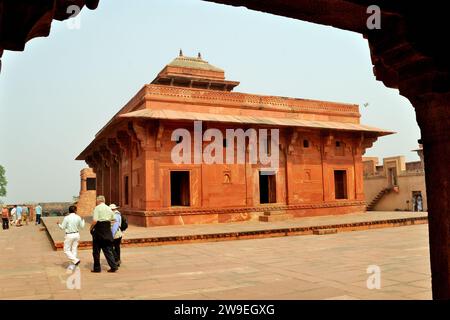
19	215
107	229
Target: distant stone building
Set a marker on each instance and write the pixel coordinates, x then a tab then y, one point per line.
396	184
320	153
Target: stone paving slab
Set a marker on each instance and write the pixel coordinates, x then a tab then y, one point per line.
299	267
141	236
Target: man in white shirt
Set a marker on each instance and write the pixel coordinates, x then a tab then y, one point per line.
72	224
38	211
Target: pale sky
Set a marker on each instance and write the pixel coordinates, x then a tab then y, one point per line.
62	89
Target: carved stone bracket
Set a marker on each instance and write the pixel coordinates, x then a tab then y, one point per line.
124	142
327	143
159	134
132	133
293	136
367	143
90	161
358	145
141	131
97	160
105	155
114	149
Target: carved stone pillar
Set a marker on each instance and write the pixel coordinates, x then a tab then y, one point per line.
124	143
149	135
114	149
327	140
106	157
433	117
291	141
98	169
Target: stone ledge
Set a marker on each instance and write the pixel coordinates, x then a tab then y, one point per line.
263	208
254	234
324	231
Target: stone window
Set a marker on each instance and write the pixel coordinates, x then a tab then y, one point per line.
91	184
339	148
305	143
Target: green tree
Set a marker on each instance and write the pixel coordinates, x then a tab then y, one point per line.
3	182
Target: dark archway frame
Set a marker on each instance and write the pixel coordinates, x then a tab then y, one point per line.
408	53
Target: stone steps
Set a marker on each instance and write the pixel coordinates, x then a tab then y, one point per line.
270	216
325	231
377	198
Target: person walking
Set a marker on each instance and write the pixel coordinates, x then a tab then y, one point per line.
13	215
116	233
38	211
419	203
102	239
5	217
18	216
72	224
25	215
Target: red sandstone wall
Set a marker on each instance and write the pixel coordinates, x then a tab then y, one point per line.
310	172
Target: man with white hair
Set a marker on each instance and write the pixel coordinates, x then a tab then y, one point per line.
102	239
116	232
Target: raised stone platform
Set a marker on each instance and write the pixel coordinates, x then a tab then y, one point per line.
140	236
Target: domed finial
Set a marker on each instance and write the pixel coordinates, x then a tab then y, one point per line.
181	53
199	55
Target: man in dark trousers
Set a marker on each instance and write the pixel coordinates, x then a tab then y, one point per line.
5	216
116	233
102	238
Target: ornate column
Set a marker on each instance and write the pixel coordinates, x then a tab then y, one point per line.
326	148
359	148
114	149
149	135
433	117
98	169
291	141
124	144
106	168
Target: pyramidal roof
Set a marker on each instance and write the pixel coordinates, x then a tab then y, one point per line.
193	63
193	72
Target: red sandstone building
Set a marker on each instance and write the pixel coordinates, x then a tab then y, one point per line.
320	153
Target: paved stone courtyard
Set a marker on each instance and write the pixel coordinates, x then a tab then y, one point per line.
297	267
248	229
